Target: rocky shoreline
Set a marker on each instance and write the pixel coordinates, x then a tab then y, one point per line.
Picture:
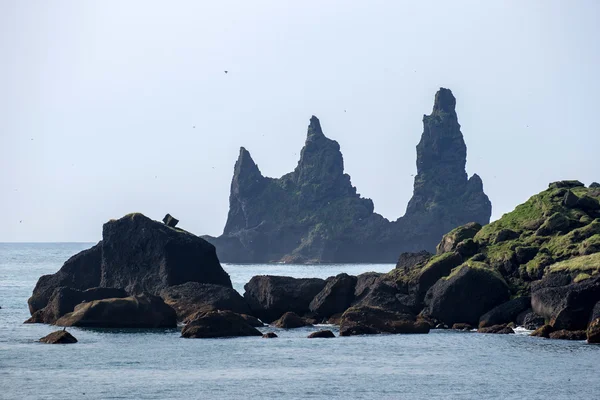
537	267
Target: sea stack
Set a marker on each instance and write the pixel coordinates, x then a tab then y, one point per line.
314	214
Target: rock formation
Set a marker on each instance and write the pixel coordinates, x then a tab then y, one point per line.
314	214
136	255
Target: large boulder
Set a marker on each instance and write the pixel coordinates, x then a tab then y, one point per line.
142	255
65	299
138	255
140	311
384	294
271	296
326	334
215	324
452	239
528	319
543	331
193	297
505	313
291	320
81	271
567	306
568	335
437	268
336	296
59	337
502	329
408	261
465	295
364	283
373	320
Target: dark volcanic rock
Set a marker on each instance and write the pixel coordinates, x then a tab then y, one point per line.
593	331
384	294
530	320
291	320
364	282
271	296
437	268
465	295
138	255
252	321
565	184
453	238
64	300
336	296
270	335
505	313
142	311
568	335
374	320
59	337
322	334
193	297
214	324
543	331
568	306
408	261
502	329
462	327
314	214
82	271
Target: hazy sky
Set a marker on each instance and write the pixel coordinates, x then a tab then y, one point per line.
99	101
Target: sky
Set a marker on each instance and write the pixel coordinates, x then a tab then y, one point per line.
112	107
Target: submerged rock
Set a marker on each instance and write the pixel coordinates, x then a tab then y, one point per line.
141	311
314	214
59	337
373	320
322	334
214	324
543	331
568	335
269	297
502	329
291	320
270	335
462	327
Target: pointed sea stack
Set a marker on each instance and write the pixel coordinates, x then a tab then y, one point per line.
314	214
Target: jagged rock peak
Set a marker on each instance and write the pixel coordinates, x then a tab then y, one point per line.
444	101
314	128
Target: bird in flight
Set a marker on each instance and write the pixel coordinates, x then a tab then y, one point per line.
226	71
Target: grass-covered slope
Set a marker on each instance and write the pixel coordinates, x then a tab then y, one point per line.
556	231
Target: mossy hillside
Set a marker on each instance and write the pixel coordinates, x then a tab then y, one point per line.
588	265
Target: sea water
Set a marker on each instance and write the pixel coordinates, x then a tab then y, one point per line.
158	364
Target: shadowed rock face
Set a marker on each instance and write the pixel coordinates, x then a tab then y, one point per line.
138	255
314	214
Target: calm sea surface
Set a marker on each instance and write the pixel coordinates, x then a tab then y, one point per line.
158	364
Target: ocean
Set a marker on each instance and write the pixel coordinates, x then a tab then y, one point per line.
158	364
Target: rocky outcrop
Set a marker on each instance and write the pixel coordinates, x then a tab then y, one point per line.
569	306
505	313
326	334
82	271
65	299
374	320
336	296
568	335
138	255
270	335
502	329
214	324
291	320
314	214
193	297
269	297
59	337
465	295
141	311
543	331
